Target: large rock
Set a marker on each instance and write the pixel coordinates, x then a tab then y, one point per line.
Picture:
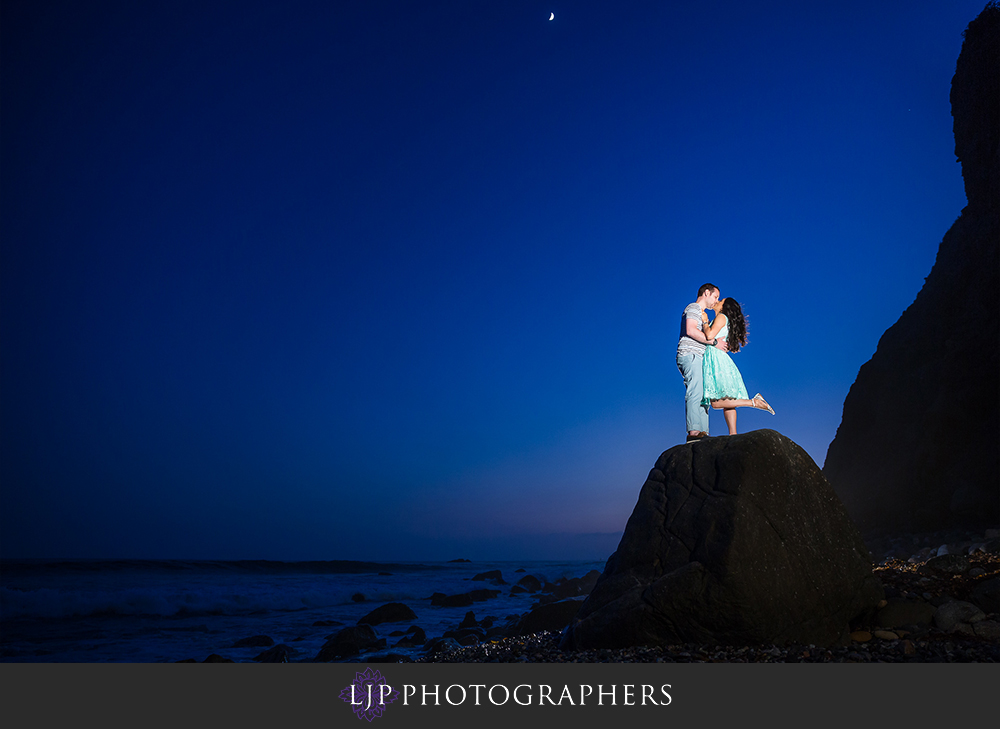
916	449
986	595
494	576
899	612
216	658
950	615
574	586
413	637
946	564
278	654
463	600
391	612
553	616
734	540
529	583
350	642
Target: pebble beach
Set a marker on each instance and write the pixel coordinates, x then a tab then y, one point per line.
941	574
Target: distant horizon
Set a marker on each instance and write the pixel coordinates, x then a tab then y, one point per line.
294	561
570	537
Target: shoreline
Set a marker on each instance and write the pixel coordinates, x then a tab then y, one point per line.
923	571
933	646
904	577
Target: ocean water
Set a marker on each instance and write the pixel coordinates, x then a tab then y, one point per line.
151	611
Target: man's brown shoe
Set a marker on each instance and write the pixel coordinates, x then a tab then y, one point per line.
695	438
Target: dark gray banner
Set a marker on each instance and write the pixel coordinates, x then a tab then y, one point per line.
396	695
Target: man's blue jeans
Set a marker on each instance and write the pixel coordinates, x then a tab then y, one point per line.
690	368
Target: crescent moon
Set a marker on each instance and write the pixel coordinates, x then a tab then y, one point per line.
551	16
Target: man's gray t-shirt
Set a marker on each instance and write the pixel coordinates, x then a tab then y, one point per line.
686	345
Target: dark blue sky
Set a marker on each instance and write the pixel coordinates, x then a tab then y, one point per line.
395	280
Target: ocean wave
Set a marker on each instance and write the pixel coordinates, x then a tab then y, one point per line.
159	601
155	588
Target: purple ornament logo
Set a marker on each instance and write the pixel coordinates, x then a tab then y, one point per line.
369	694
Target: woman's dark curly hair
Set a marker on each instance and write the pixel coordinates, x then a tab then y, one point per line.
737	324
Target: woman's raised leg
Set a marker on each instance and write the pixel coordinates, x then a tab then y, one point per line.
758	402
728	407
730	403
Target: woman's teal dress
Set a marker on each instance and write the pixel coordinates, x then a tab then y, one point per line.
722	378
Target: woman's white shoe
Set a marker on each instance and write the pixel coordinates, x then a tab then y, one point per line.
762	404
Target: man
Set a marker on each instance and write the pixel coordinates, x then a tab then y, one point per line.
690	353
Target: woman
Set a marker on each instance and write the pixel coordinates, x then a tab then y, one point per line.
724	388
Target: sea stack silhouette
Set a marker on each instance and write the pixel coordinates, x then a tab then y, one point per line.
918	447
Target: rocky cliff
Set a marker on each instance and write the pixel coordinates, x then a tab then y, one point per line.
918	447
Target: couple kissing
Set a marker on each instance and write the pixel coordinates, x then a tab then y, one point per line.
711	378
